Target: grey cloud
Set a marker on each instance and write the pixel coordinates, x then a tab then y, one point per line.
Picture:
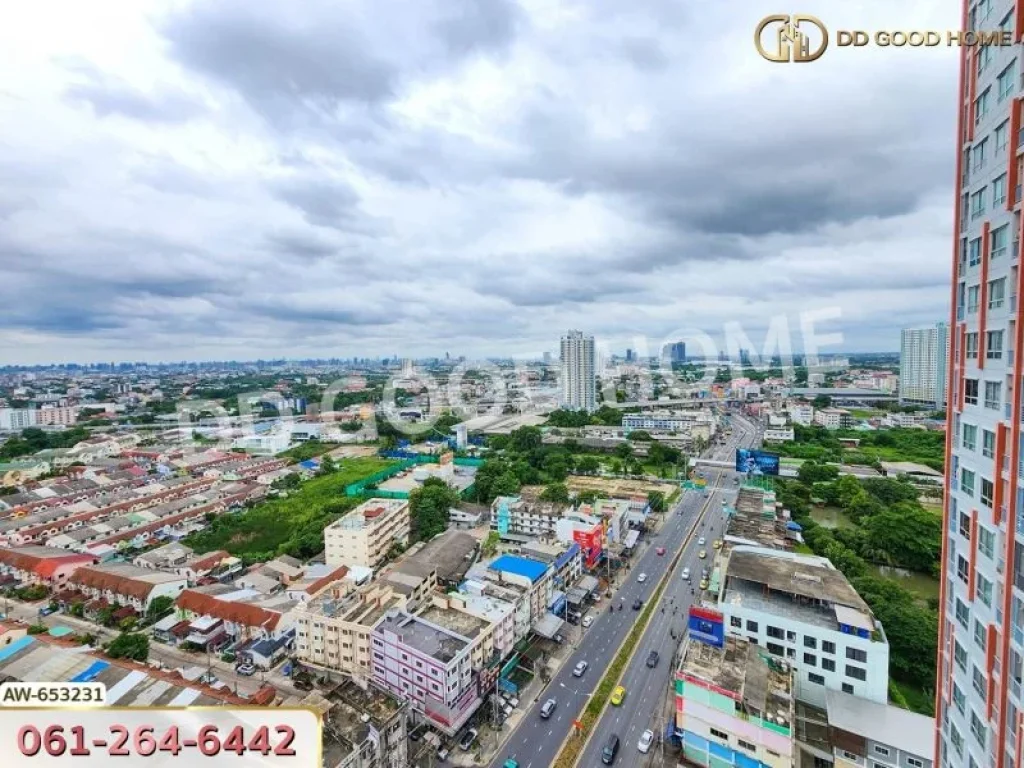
468	26
165	175
327	203
109	95
645	53
300	244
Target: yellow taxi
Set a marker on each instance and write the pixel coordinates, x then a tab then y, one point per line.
618	695
718	544
702	554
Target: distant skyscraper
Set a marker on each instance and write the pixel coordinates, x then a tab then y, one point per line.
547	358
677	352
744	357
629	356
579	379
923	353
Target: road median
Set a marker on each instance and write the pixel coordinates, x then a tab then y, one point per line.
575	744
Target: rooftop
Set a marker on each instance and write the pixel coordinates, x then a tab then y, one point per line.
366	513
437	642
801	587
462	624
884	723
743	671
451	553
521	566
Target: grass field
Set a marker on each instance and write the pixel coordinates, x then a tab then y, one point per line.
291	525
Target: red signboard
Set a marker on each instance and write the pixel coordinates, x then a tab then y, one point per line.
590	543
706	613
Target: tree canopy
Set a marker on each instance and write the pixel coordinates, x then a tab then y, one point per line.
429	507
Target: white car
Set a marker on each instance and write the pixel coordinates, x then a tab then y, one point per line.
642	578
587	621
646	739
686	574
579	669
700	542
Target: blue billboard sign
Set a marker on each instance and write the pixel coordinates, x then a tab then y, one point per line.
756	462
707	626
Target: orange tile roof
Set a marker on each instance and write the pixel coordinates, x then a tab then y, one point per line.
238	613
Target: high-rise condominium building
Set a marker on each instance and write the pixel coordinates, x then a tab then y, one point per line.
579	379
923	354
980	669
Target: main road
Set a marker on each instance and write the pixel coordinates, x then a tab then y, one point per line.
535	742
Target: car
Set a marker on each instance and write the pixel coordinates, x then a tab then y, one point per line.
706	494
660	551
466	742
717	544
638	604
703	583
587	621
646	739
579	669
246	670
725	503
702	554
547	708
700	541
610	750
686	574
442	753
618	695
652	659
642	578
510	763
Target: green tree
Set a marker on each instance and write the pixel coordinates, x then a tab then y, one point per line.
822	401
507	485
327	466
656	500
525	439
908	534
160	607
640	434
555	466
129	645
490	545
556	493
624	451
811	472
429	506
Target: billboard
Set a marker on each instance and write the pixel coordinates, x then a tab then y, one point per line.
591	543
707	626
757	462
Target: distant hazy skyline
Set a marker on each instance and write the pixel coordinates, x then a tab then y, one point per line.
236	180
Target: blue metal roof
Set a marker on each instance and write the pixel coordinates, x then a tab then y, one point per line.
521	566
310	464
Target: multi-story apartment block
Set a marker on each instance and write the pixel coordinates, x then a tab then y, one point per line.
364	536
923	354
14	419
526	517
666	421
579	374
979	697
833	418
333	628
427	665
734	704
802	609
57	415
801	414
364	728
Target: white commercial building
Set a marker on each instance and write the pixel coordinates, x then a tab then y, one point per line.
801	608
579	376
833	418
17	418
802	415
923	354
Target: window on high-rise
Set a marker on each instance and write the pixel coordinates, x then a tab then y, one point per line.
984	591
978	203
1007	24
984	58
973	292
974	252
978	681
1005	80
963	614
962	568
998	195
1000	238
981	104
979	635
965	526
987	490
979	154
977	729
959	655
971	345
959	699
970	434
967	481
1000	138
986	541
988	443
971	391
992	394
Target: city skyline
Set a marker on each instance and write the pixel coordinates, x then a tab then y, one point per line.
527	167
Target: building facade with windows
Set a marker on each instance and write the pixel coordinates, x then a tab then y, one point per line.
800	608
579	373
980	667
923	354
365	535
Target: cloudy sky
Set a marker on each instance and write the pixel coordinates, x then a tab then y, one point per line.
236	179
